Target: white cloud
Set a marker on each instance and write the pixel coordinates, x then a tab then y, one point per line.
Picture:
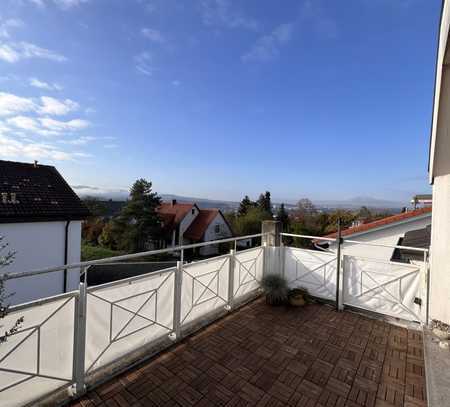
11	104
268	46
61	126
80	141
12	148
15	51
24	123
6	25
55	107
111	146
63	4
36	83
153	35
219	14
144	63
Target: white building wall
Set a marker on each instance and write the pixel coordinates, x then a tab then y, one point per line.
186	222
440	250
39	245
211	234
388	236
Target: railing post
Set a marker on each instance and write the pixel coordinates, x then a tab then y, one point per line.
281	257
271	237
427	276
177	300
339	306
79	348
231	281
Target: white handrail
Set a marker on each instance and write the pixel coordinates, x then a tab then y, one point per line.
418	249
309	237
84	264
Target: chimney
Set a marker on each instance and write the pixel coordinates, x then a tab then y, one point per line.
35	163
174	202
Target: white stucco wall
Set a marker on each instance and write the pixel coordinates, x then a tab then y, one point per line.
39	245
211	234
186	222
388	236
440	250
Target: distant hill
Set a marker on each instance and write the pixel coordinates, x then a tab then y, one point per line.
116	198
359	201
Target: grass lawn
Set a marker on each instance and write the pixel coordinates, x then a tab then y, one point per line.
89	252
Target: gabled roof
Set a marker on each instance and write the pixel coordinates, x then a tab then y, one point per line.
390	220
175	212
198	227
36	193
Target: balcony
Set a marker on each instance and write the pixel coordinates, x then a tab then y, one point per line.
277	356
200	334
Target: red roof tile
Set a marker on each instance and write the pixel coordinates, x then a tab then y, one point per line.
198	227
382	222
179	210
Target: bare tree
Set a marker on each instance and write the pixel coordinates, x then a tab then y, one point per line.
5	260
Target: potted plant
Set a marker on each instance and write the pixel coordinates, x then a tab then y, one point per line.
276	289
298	297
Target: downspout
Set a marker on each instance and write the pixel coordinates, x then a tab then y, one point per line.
66	253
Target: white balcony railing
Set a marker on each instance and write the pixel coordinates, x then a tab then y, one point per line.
78	338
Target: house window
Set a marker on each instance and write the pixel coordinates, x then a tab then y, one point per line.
193	211
217	228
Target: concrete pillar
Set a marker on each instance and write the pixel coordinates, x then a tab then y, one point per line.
271	230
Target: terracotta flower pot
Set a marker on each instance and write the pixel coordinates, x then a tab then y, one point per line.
297	300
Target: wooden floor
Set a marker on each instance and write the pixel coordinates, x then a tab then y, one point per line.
279	356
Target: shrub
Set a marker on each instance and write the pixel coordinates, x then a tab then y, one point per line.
275	288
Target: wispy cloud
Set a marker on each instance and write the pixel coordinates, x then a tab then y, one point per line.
19	149
153	35
221	14
143	63
16	51
268	46
61	126
55	107
314	13
80	141
11	104
63	4
36	83
111	145
7	25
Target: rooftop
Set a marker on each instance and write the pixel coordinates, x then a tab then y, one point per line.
35	192
401	217
277	356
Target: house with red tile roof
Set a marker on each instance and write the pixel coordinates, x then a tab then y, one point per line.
186	223
390	230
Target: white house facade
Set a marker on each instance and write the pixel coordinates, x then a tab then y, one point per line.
186	223
439	175
40	220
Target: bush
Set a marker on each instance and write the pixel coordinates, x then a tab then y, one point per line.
89	252
275	288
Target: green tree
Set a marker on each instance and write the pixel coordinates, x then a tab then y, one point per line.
245	205
264	203
96	207
250	223
283	217
138	223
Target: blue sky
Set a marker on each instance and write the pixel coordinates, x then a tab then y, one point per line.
221	98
